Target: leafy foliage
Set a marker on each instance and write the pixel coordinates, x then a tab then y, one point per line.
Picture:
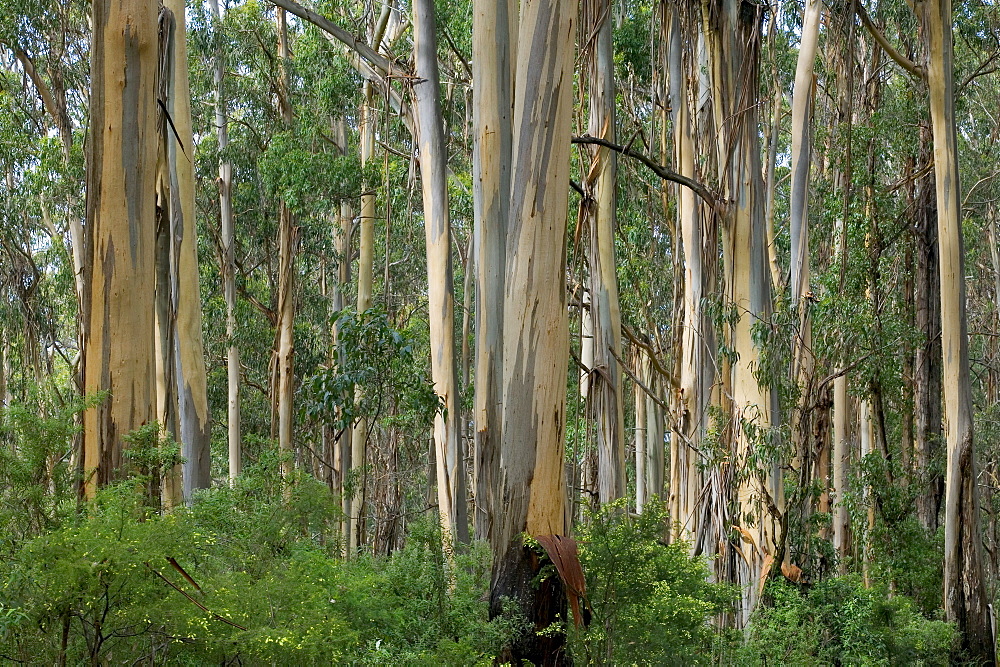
651	601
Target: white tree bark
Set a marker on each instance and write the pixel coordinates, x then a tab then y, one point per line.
440	292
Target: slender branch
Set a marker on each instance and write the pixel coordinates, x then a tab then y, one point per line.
659	170
889	49
195	602
343	36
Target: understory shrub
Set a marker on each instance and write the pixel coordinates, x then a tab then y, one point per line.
651	601
840	622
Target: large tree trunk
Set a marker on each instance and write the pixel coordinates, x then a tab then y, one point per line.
733	39
493	34
355	461
964	589
440	291
691	400
605	392
536	329
121	210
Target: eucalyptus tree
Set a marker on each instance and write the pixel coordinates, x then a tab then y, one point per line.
121	211
451	476
532	485
228	241
605	384
494	52
965	598
182	376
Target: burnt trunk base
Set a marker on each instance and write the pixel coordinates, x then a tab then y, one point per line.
517	589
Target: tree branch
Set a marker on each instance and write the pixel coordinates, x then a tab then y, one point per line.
343	36
900	59
662	172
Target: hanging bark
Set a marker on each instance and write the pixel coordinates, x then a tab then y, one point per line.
536	330
965	598
119	280
440	293
605	391
188	388
691	401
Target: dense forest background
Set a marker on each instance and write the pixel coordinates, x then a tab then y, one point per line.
634	332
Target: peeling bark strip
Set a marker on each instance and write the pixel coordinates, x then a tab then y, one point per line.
600	207
118	276
536	327
182	392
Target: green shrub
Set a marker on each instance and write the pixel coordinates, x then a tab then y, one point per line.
243	575
651	601
839	621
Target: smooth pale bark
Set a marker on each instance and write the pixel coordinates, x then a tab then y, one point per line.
802	105
642	370
866	441
841	460
655	431
354	505
605	393
189	374
493	29
225	183
691	402
121	210
287	242
965	598
440	281
536	328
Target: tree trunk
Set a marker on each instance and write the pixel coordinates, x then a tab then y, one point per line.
288	235
493	43
440	292
121	210
605	393
641	442
225	181
536	330
691	402
928	434
965	595
189	375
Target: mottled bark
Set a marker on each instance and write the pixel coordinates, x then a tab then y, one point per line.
493	33
536	328
121	210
